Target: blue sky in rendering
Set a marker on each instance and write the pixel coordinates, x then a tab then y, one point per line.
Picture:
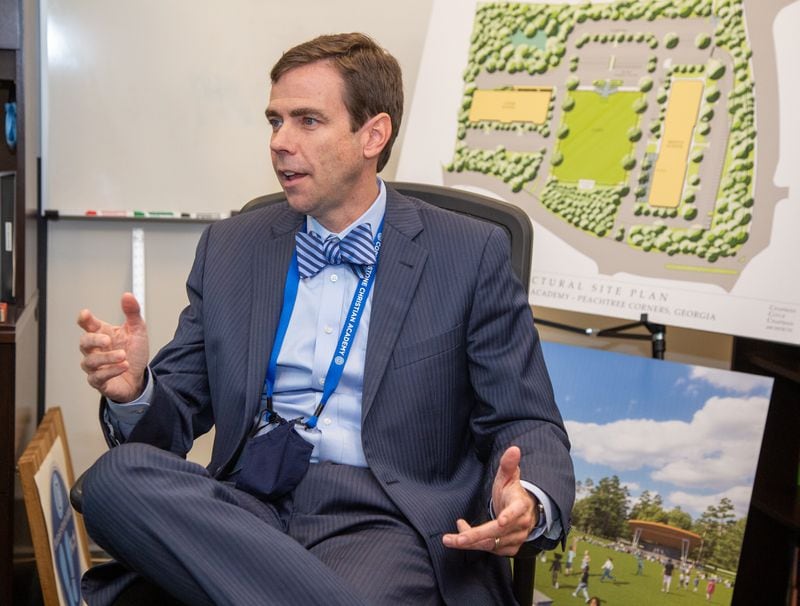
689	433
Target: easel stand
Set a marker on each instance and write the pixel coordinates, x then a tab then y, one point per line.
657	333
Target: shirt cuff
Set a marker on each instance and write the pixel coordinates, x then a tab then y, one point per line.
548	524
123	416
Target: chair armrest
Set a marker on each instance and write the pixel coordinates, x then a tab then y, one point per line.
76	494
524	573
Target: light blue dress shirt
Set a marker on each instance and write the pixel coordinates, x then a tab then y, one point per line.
319	313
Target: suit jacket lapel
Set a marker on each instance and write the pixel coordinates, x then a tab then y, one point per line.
399	269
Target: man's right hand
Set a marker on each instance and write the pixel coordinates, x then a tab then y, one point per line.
115	357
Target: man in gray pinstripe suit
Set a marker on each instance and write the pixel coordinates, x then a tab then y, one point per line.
437	447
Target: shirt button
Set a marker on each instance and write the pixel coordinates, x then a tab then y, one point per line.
322	380
328	330
327	421
334	278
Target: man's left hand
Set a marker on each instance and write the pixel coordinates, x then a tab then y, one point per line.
516	518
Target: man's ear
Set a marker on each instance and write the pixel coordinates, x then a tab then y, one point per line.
377	132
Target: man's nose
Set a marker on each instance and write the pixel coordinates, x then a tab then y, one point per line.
281	140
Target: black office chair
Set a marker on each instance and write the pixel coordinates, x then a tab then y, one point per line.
520	231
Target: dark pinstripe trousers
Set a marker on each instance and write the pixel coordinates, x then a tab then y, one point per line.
337	539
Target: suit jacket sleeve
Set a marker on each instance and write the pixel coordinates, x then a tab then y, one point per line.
180	409
515	401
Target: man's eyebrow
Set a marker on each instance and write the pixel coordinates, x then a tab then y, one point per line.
297	112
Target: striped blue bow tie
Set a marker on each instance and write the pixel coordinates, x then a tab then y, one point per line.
356	248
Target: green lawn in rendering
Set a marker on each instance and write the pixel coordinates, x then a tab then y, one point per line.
628	589
598	137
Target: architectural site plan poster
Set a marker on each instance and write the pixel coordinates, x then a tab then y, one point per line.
665	458
655	145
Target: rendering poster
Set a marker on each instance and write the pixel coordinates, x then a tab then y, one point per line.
653	144
665	457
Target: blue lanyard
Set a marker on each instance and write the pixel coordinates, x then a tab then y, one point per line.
346	337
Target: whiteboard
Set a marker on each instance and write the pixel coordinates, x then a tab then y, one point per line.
159	104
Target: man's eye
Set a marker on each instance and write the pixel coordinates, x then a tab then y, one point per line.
275	123
309	121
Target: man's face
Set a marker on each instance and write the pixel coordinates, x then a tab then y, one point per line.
319	161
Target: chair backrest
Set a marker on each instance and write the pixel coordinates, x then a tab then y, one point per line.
511	218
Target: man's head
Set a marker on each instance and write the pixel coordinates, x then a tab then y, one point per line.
334	109
372	78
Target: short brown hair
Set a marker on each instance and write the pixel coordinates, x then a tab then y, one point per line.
373	82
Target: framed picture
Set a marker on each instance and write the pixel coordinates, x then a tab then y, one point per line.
665	459
59	537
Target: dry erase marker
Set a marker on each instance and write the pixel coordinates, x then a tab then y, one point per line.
160	213
108	213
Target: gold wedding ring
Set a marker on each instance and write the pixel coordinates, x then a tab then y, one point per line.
496	543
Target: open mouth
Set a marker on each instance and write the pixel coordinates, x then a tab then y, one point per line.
290	176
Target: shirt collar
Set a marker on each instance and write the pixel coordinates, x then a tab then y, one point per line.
373	215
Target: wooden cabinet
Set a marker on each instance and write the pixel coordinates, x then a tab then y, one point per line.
18	412
19	334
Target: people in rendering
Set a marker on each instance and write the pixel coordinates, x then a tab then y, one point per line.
608	567
570	559
710	587
583	584
639	563
667	580
555	568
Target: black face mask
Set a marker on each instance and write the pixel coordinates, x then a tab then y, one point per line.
274	463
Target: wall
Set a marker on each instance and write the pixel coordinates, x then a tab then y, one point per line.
159	105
